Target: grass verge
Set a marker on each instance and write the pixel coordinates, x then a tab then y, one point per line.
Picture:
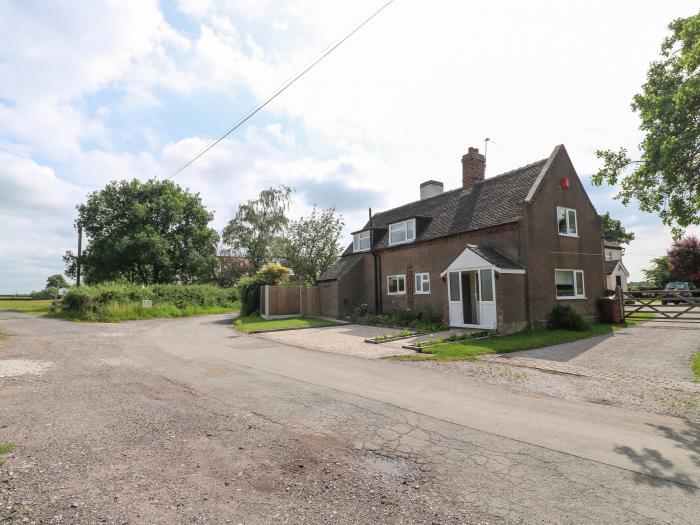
116	312
696	366
468	350
27	306
251	324
5	448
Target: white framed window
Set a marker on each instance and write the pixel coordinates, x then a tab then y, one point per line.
401	232
361	242
396	284
566	221
569	284
422	283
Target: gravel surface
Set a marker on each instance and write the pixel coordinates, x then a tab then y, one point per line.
19	367
120	431
575	388
652	349
348	339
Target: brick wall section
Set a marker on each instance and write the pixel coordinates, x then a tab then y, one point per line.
410	287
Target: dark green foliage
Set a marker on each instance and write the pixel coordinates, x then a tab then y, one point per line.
249	287
425	320
660	273
564	317
150	232
666	178
614	230
57	281
90	299
46	293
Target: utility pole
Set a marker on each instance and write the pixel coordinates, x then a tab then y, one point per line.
80	253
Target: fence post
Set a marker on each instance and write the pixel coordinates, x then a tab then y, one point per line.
620	302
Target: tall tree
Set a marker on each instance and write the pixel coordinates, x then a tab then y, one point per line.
258	224
666	179
613	230
146	232
311	244
56	281
659	274
684	259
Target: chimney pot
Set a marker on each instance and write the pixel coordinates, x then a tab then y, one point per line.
473	168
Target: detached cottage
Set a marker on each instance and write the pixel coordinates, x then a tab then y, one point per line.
496	253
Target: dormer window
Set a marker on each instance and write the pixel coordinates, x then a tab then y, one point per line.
361	242
402	232
566	219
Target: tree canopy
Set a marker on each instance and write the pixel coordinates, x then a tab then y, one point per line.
684	259
258	225
613	229
57	281
145	232
666	178
310	245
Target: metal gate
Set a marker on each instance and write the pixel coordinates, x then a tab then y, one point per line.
662	305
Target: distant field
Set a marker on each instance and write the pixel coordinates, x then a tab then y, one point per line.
27	306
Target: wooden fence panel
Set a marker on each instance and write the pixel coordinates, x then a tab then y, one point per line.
290	301
311	300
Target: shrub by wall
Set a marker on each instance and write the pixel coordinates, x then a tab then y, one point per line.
564	317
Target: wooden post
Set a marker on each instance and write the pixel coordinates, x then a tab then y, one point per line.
620	302
80	253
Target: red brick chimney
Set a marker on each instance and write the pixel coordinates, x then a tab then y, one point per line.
473	168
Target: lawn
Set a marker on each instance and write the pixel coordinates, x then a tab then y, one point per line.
251	325
467	350
696	366
27	306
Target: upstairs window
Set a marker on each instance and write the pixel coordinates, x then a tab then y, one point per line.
569	284
566	219
402	232
422	283
361	242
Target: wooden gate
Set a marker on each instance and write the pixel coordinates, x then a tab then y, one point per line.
663	305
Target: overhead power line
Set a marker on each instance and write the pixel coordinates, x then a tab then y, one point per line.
327	51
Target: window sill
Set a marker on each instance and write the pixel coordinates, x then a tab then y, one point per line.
422	293
400	243
575	235
570	298
361	251
396	293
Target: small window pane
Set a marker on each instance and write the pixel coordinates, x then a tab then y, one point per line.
486	285
409	230
454	286
393	285
564	281
401	283
397	233
561	217
422	283
572	221
579	283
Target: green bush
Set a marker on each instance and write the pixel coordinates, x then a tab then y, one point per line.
249	287
47	293
564	317
92	301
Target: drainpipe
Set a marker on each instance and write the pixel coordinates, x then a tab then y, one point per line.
377	269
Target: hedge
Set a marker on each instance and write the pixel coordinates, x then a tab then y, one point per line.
84	299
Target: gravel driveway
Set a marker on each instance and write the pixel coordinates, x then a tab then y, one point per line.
348	339
653	349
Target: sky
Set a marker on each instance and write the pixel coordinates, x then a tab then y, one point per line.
92	92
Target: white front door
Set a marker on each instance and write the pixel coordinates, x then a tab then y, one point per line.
454	295
481	286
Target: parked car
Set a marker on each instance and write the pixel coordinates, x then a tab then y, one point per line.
683	289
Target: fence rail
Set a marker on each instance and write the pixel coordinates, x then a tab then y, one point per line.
666	305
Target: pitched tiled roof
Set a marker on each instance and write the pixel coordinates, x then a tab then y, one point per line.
495	257
496	200
610	267
340	267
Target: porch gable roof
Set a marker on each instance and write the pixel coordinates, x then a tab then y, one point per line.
474	256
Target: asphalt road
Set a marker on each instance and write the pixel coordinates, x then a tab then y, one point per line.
402	444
